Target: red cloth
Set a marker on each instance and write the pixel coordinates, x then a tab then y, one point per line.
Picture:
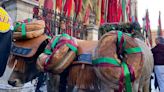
48	4
67	13
102	12
86	15
109	11
113	11
67	8
78	6
119	12
128	9
59	4
148	30
35	10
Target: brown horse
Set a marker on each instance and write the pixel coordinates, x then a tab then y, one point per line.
142	79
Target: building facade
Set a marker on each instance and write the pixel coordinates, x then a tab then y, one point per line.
23	9
19	9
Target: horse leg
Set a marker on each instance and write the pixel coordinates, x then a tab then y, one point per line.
105	88
146	86
135	86
53	83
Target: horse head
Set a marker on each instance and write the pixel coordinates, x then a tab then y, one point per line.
29	42
24	55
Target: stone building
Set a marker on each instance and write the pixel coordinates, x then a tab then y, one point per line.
19	9
22	9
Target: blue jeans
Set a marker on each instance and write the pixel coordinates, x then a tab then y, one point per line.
159	71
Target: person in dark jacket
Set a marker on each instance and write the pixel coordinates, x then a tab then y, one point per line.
5	39
158	54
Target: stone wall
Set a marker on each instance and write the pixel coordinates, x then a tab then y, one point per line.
20	9
92	32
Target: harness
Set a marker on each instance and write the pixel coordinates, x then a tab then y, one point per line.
23	26
127	71
56	44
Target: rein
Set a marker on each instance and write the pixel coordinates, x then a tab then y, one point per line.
127	71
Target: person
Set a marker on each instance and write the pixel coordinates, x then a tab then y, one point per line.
158	54
5	39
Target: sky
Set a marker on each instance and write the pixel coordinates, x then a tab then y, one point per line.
153	6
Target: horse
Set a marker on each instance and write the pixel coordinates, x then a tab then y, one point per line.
143	66
141	82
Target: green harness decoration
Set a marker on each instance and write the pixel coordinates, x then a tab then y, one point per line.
23	26
54	43
23	31
123	63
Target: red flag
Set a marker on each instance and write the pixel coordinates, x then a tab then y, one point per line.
78	7
128	9
109	12
147	21
119	11
102	11
87	14
59	5
48	4
68	8
113	11
148	30
159	32
136	19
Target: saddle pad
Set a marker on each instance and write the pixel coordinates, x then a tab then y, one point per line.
27	48
86	50
84	58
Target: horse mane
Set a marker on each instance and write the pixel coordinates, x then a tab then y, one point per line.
124	27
